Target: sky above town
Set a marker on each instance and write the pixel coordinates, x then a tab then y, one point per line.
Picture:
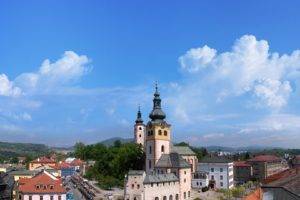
228	71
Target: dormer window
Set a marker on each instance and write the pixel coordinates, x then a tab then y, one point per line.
45	187
37	187
51	187
159	132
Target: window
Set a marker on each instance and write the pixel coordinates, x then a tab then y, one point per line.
45	187
177	197
51	197
200	183
221	184
159	132
140	135
157	184
140	128
170	197
59	197
189	193
37	187
184	172
212	177
165	133
212	169
149	133
184	195
162	148
132	186
197	183
156	198
221	177
51	187
150	149
151	184
41	197
138	186
221	169
164	198
149	164
184	180
30	197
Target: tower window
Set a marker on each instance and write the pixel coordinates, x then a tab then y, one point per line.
162	148
150	149
149	164
149	133
159	132
140	128
165	133
140	135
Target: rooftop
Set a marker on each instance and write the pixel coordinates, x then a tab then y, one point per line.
43	160
41	183
215	159
172	160
136	172
182	150
241	164
265	158
159	178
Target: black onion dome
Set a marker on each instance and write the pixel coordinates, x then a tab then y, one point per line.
157	114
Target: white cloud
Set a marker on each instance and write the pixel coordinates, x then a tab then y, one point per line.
248	68
53	76
7	87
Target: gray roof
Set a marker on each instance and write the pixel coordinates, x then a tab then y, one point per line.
182	150
159	178
136	172
25	172
215	159
172	160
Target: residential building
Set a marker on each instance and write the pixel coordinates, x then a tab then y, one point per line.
167	174
219	169
200	179
264	166
242	172
43	186
42	161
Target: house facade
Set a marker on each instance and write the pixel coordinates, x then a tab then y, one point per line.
219	170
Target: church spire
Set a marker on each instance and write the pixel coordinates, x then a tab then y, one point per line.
157	114
139	117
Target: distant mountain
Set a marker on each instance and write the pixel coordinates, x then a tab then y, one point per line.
9	150
111	141
234	149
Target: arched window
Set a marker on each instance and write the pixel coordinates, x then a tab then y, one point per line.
164	198
189	193
156	198
159	132
162	148
140	128
170	197
184	195
134	198
165	133
177	197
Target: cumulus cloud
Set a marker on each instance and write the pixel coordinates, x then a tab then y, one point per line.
7	87
50	76
249	67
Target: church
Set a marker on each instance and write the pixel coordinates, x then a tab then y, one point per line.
168	169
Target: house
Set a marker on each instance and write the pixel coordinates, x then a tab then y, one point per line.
42	161
219	169
264	166
242	172
200	179
76	163
65	169
42	186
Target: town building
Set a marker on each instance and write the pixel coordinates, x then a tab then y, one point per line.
187	154
167	174
41	161
42	186
200	179
266	165
219	170
242	172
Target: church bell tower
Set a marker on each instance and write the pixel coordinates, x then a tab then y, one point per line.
157	134
139	130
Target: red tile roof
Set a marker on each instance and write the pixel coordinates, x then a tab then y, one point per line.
76	162
43	160
62	165
241	164
40	184
265	158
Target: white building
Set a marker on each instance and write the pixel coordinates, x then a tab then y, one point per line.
168	174
200	179
220	171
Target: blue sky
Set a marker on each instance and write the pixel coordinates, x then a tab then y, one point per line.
72	71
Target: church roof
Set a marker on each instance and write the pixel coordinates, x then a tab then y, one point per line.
157	115
172	160
159	178
182	150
